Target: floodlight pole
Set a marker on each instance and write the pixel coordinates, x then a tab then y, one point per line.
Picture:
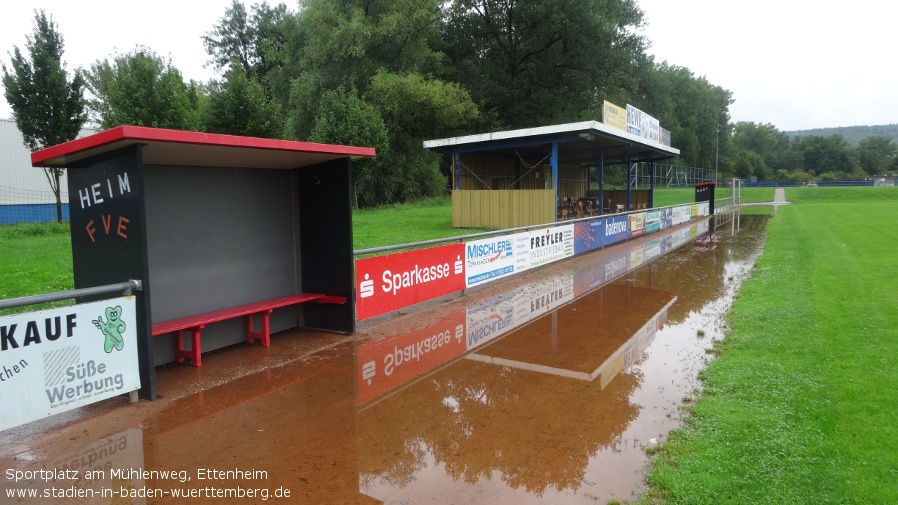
716	152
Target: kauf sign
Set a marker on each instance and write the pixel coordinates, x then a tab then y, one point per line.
56	360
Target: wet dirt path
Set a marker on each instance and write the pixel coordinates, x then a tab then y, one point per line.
548	388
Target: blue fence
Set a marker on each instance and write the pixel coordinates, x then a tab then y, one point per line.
31	213
846	183
790	184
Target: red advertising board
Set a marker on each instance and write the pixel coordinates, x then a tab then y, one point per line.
387	364
394	281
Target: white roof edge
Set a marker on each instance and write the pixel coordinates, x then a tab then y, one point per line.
547	130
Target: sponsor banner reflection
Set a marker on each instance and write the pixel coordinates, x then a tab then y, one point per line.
389	363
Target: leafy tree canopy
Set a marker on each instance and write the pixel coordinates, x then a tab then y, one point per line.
142	89
238	105
344	43
253	41
343	118
47	107
542	62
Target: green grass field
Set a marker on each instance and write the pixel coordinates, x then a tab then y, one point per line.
673	196
35	259
800	405
404	223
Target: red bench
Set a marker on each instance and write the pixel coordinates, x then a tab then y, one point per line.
263	309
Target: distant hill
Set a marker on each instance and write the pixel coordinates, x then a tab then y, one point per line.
852	134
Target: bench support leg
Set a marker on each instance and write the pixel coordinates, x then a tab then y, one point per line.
195	351
264	334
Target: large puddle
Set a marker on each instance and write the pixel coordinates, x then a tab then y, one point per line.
547	389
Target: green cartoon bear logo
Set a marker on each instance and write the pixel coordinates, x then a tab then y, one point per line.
112	328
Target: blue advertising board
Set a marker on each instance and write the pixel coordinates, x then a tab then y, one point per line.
617	229
588	235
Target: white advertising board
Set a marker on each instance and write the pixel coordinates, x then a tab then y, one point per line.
55	360
493	258
551	244
704	209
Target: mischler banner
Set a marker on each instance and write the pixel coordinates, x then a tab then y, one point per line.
391	282
56	360
493	258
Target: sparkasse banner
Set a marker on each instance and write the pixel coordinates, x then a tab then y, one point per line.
55	360
393	281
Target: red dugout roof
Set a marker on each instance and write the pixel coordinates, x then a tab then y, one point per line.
187	148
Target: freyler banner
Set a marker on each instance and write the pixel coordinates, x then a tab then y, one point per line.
59	359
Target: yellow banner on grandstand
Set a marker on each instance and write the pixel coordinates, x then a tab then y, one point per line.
614	116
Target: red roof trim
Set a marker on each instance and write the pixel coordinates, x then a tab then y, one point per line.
705	184
146	134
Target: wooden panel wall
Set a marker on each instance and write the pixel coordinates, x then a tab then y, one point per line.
501	209
501	173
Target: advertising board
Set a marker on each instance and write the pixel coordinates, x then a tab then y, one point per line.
393	281
666	217
614	116
493	258
652	221
637	224
588	235
56	360
634	121
680	214
551	244
704	208
617	229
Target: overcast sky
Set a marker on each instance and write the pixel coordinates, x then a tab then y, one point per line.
797	64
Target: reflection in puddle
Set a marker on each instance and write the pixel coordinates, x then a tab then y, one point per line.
548	393
563	386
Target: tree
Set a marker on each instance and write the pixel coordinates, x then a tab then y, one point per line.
877	154
343	118
253	42
748	164
142	89
47	107
691	108
344	43
384	50
761	142
414	109
238	105
830	154
542	61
